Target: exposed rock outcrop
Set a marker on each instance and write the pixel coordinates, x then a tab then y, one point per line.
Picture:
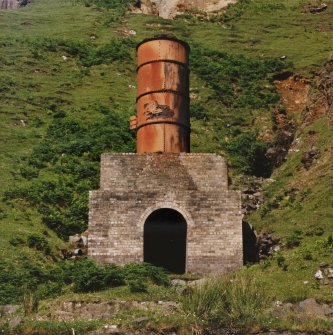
12	4
170	8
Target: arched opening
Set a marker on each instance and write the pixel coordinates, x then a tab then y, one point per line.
165	240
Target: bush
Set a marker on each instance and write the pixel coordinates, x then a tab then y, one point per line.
29	172
227	301
70	154
87	276
137	285
281	261
146	272
198	111
38	242
247	155
18	278
293	240
237	81
17	240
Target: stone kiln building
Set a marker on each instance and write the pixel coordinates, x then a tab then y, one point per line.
164	205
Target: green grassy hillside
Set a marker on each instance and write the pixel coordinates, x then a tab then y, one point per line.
67	84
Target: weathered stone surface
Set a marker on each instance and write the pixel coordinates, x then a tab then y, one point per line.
103	310
8	309
14	322
312	307
13	4
170	8
196	185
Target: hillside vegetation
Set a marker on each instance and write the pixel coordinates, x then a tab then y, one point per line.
67	84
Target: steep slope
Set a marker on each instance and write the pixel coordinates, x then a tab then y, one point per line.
67	84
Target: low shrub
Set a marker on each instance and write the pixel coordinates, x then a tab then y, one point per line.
248	154
17	240
137	285
198	112
87	276
281	261
293	240
146	272
39	242
70	153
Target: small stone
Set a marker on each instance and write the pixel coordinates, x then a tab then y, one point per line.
140	320
107	327
310	306
178	282
8	309
319	275
14	322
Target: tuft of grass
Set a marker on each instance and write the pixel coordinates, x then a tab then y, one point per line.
233	301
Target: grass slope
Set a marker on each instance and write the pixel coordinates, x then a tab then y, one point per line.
68	70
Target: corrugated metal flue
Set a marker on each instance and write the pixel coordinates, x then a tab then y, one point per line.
163	118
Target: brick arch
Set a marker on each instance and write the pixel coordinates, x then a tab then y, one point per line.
169	205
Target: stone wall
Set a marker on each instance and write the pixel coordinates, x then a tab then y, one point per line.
196	185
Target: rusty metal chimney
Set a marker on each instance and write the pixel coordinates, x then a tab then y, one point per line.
163	119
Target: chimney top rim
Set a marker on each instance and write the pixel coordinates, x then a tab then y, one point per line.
164	37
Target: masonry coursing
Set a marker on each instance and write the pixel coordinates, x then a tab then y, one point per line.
132	186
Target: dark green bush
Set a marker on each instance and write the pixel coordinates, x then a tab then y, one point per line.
137	285
2	214
39	242
18	278
29	172
314	230
110	4
293	240
281	261
237	80
87	276
71	155
146	272
87	55
17	240
247	154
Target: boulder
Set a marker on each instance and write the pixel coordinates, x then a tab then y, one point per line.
14	322
6	310
311	307
168	9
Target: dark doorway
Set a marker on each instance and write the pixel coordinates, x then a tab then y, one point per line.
250	245
165	240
